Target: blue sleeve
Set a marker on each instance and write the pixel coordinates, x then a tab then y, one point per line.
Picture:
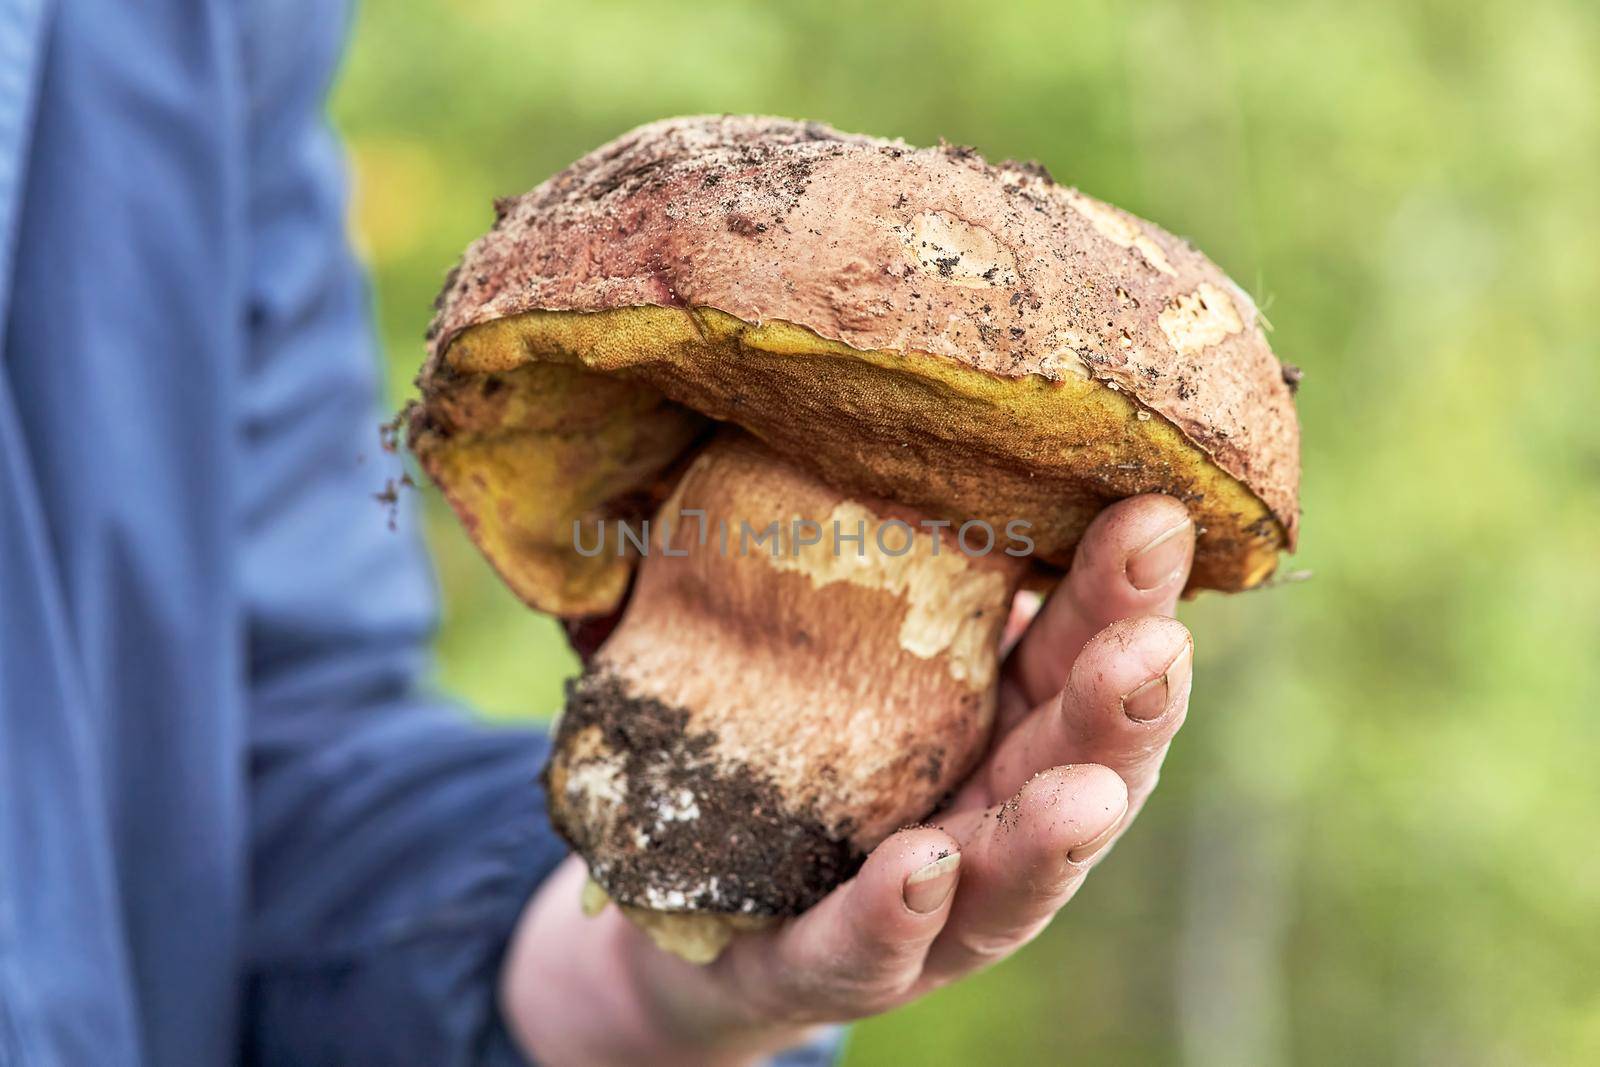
394	840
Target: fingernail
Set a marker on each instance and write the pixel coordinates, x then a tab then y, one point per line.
1086	851
1160	560
1149	701
930	886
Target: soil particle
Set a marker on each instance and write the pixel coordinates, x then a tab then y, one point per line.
747	849
1031	167
389	496
389	432
1007	815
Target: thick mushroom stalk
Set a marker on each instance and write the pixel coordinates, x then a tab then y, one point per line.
796	675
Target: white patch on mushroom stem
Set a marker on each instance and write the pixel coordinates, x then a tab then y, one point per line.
600	784
1199	319
1119	229
666	899
948	602
955	250
679	807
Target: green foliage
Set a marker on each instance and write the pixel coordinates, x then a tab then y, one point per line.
1376	840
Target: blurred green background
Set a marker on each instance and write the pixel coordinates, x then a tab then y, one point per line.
1378	840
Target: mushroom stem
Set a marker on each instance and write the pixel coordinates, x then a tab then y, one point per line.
796	674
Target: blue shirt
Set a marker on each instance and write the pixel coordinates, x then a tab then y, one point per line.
232	829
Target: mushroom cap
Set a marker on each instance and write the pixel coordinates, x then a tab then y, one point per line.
973	340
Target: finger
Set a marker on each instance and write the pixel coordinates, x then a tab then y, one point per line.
861	949
1023	863
1133	560
1126	696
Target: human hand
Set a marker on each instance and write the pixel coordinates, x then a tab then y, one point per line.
1089	701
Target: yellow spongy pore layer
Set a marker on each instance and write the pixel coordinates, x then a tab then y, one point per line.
588	421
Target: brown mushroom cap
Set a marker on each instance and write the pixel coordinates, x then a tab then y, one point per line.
975	341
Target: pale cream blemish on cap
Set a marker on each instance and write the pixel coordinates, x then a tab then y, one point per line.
1119	229
1061	359
1198	320
955	250
1063	363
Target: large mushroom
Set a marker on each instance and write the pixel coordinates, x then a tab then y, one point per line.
861	391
